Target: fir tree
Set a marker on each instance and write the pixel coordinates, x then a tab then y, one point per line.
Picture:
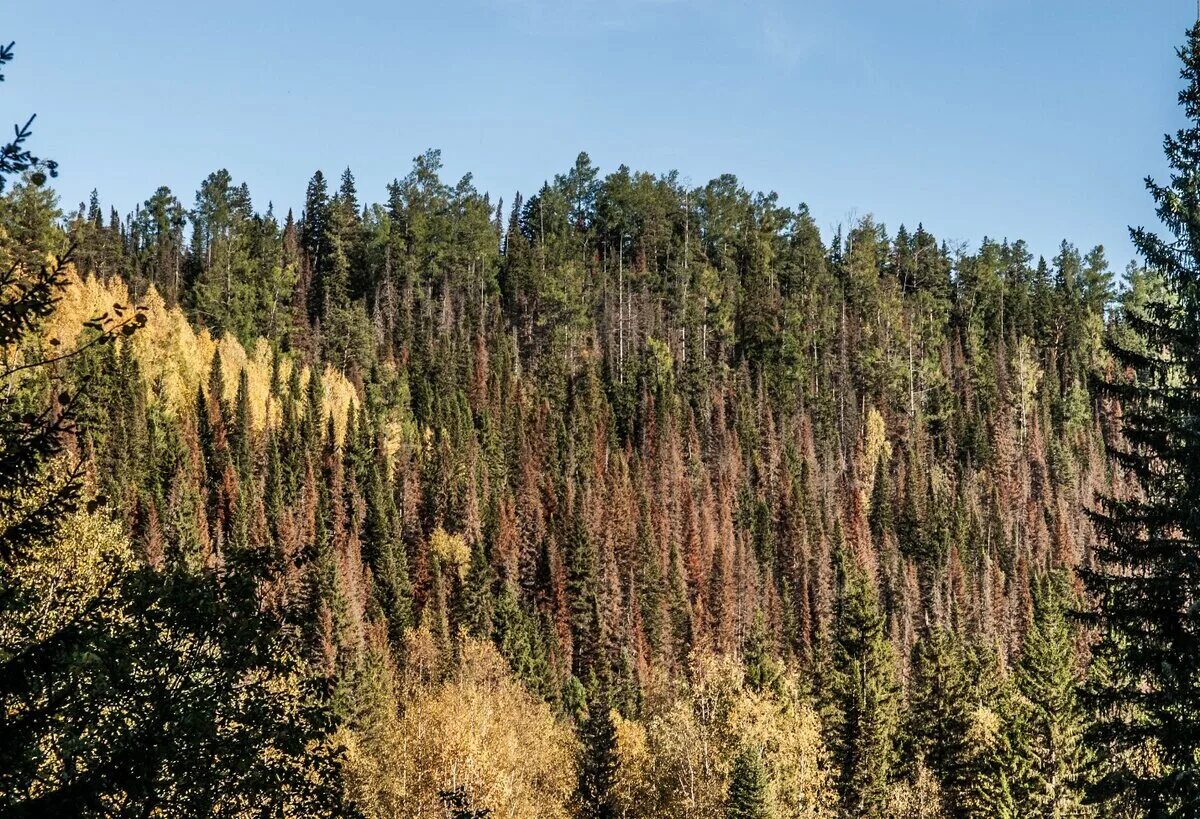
747	786
477	594
595	795
1148	581
940	714
1052	720
763	671
861	695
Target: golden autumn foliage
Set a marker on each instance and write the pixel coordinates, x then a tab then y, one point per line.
59	582
919	799
677	763
787	729
176	359
66	576
452	550
875	444
479	730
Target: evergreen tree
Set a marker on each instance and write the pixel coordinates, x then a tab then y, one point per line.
763	671
642	420
160	247
861	695
144	691
999	772
1052	722
940	714
314	225
595	796
1148	581
477	594
747	786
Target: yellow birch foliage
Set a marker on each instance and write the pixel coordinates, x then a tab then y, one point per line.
176	360
452	550
65	576
677	764
787	729
56	582
635	781
919	799
876	444
479	730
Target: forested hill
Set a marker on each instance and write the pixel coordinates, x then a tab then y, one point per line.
657	412
802	509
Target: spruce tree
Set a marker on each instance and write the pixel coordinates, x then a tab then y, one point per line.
997	772
763	671
595	789
314	223
1051	716
477	600
939	714
860	694
1146	587
747	786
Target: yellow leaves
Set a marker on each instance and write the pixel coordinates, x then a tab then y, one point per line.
874	449
340	396
985	727
265	409
399	433
634	763
788	731
480	731
176	358
79	302
65	576
919	799
660	354
1028	374
55	585
875	444
452	550
171	353
677	764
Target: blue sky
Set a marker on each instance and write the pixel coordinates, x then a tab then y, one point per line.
1011	118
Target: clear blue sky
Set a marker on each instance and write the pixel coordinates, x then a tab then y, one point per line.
1018	118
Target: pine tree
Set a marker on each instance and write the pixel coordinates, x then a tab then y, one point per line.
314	222
1148	581
1034	762
860	693
478	604
763	671
1052	721
160	247
241	431
747	786
595	796
997	771
940	713
581	594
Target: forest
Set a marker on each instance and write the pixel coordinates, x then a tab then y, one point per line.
621	498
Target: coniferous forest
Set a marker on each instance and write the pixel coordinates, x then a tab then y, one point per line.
620	497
